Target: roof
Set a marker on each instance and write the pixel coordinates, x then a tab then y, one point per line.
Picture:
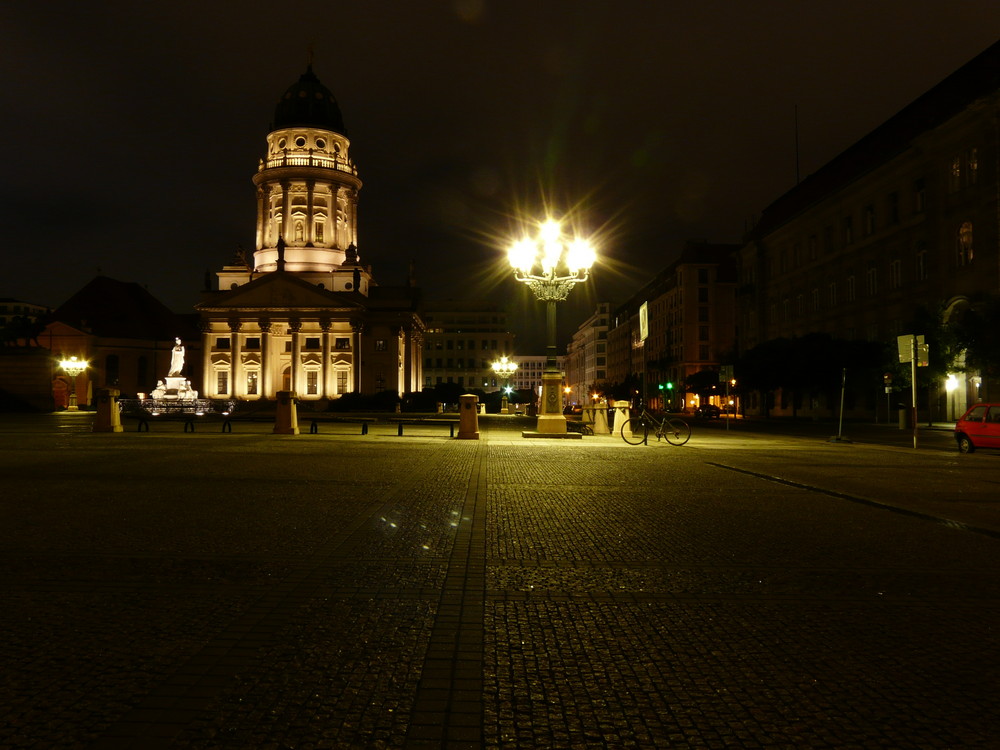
976	79
308	103
119	309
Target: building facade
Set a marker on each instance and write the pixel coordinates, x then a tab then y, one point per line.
905	218
679	324
304	313
587	356
462	340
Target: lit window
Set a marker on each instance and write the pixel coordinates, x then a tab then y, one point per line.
381	345
965	244
252	377
222	382
312	382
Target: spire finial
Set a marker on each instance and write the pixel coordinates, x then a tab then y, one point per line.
310	55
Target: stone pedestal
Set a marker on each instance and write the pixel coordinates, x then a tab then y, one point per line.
621	416
468	417
108	417
286	417
550	417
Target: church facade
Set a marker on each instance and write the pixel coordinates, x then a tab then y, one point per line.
304	313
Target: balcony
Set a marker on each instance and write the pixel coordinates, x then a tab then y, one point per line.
307	160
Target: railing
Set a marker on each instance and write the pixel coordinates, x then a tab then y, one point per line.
155	407
309	160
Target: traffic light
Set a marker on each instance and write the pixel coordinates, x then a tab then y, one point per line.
670	386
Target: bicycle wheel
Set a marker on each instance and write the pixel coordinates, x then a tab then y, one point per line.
634	431
676	431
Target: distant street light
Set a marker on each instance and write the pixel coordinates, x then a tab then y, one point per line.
73	367
505	368
551	265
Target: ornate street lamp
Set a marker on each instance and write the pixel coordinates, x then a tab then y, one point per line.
551	265
505	368
73	367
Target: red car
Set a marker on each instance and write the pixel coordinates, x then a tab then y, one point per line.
979	427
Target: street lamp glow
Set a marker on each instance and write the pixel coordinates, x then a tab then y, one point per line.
505	368
550	265
73	367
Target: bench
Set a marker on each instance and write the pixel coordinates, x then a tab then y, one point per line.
315	421
423	421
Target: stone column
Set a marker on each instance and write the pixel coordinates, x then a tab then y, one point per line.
286	210
235	365
326	387
295	328
357	329
208	384
266	365
310	213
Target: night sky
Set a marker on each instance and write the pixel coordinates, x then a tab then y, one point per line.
131	130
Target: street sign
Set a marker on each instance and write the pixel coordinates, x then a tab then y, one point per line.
905	346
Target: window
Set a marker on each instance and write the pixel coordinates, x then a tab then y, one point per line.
312	343
111	369
312	382
702	275
703	294
851	289
972	166
319	231
921	261
919	196
253	343
895	274
381	345
955	174
892	208
871	280
342	343
848	230
341	381
815	300
869	221
828	239
965	244
832	294
222	382
812	247
222	342
252	378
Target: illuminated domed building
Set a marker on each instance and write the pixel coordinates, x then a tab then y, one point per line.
303	313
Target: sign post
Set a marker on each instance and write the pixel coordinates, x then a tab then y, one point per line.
912	349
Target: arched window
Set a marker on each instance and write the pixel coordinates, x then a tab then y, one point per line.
111	369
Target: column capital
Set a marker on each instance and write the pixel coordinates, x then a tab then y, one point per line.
235	324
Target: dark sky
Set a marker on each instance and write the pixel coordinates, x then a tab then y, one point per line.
131	129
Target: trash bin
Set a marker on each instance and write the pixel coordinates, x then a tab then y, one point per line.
904	418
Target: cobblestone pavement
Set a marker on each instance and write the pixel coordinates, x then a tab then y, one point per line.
247	590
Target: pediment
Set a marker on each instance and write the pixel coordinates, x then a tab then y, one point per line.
278	291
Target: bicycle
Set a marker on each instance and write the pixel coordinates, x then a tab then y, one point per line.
637	430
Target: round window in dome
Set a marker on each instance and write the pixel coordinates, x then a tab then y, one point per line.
336	147
281	143
348	286
300	141
320	143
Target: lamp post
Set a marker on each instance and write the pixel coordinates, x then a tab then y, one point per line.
505	368
551	265
73	367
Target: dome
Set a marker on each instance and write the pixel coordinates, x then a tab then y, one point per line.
308	103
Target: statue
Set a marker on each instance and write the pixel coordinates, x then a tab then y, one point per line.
176	359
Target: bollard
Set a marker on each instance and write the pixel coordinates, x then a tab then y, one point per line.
286	417
601	419
621	415
468	420
108	417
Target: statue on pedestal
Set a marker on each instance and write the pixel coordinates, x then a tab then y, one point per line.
176	359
